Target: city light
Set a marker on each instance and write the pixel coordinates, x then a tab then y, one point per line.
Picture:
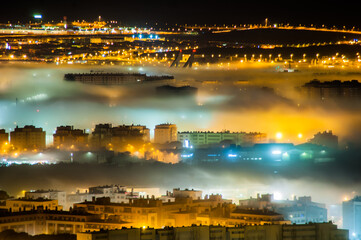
276	152
279	135
159	127
232	155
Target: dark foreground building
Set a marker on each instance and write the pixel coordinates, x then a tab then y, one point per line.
319	231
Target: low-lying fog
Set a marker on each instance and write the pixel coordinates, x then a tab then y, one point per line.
37	94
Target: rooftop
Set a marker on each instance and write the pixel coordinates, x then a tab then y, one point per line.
256	212
5	213
43	191
31	200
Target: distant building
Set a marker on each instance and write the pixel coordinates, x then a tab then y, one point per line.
254	216
351	217
99	78
66	137
117	138
167	198
28	138
198	139
144	191
116	194
78	197
4	136
130	133
187	193
302	210
165	133
25	204
101	136
320	231
180	211
60	196
298	211
107	189
261	202
332	89
326	139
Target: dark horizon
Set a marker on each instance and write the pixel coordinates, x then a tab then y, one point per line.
129	13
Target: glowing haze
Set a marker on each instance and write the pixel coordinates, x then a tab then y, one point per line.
229	97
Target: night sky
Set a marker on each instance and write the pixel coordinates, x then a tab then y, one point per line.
236	12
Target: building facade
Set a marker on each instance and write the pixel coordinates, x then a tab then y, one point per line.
66	137
302	210
183	211
60	196
320	231
116	194
4	136
297	211
101	136
198	139
41	221
165	133
351	215
119	138
332	90
25	204
191	193
28	138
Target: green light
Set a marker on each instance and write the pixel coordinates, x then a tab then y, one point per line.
285	156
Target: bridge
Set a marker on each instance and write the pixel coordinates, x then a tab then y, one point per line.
179	57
